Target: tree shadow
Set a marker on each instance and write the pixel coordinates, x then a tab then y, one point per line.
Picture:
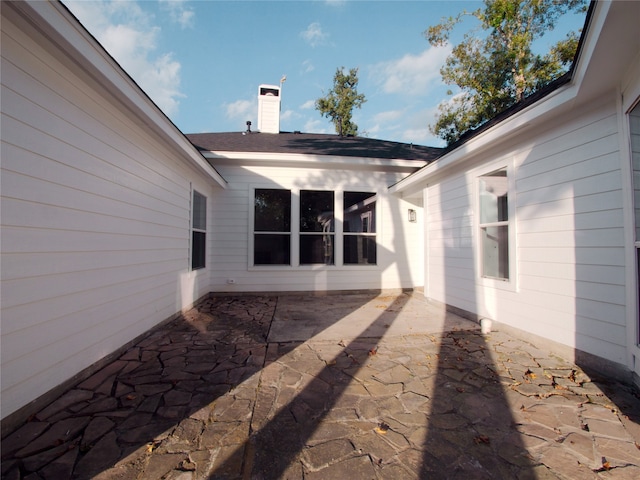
292	406
471	431
170	400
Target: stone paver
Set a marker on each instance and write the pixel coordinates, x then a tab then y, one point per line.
350	386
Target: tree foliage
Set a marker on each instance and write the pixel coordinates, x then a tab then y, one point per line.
499	69
340	101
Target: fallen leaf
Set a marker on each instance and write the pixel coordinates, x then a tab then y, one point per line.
382	428
482	439
606	466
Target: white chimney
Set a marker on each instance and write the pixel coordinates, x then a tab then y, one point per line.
269	109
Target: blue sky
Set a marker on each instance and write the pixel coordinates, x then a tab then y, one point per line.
202	61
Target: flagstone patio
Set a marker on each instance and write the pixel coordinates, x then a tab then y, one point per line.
331	387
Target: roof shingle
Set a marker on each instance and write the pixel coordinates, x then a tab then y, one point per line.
312	144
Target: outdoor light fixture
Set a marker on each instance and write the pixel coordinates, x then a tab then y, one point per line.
412	215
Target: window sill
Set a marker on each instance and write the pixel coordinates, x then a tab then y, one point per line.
497	283
310	268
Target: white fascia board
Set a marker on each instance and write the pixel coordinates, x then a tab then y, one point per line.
594	29
78	47
297	160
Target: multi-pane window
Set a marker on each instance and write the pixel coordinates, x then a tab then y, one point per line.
272	227
316	227
494	225
198	231
359	226
318	232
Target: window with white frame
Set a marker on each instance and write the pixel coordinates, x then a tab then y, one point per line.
494	224
272	227
198	231
314	229
359	221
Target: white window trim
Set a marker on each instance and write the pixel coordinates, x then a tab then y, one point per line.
510	284
295	229
192	229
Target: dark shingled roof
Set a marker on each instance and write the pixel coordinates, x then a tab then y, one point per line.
312	144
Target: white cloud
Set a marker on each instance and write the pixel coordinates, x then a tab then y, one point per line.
127	33
287	115
179	12
316	126
307	66
415	128
309	104
388	116
314	35
241	110
412	74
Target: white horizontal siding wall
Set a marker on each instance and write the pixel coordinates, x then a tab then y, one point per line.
95	224
399	242
569	283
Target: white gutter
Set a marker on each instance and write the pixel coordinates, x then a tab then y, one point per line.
297	160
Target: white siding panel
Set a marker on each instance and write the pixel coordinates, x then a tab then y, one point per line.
569	262
231	234
95	223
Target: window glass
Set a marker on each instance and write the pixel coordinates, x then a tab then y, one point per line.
493	197
495	251
272	210
272	227
198	231
316	211
316	215
494	224
272	249
359	226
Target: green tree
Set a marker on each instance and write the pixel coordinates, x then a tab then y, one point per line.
496	70
338	104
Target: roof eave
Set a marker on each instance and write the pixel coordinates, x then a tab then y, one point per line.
296	160
486	139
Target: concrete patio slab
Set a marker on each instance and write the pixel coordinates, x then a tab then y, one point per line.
300	318
334	387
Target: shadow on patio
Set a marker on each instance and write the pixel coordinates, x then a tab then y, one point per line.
409	391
